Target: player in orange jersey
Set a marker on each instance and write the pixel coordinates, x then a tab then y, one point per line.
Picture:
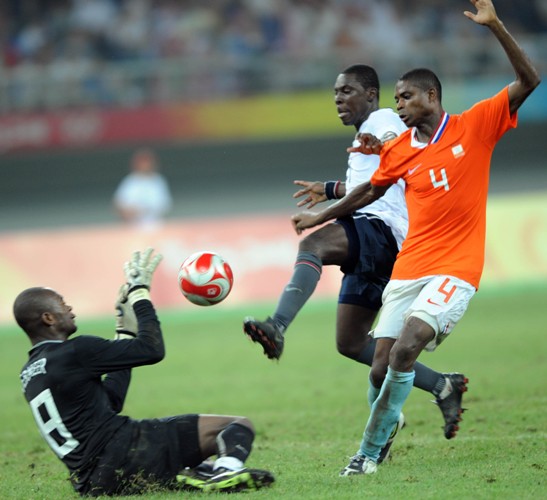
445	162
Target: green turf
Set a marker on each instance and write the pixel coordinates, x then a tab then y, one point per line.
310	408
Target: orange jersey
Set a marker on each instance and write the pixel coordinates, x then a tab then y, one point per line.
446	190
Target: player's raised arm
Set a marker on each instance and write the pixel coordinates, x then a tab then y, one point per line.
527	76
138	273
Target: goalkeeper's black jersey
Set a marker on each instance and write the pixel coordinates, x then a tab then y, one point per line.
75	407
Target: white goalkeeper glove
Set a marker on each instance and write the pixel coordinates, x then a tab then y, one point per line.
138	274
126	321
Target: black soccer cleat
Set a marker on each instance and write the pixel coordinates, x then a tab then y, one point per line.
451	405
266	334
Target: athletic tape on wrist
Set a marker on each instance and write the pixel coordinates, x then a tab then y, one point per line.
125	335
138	294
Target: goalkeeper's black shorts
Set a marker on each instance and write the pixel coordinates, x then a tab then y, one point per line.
144	454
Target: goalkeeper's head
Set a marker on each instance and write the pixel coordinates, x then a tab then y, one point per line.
43	315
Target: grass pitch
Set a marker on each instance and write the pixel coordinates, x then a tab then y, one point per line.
310	408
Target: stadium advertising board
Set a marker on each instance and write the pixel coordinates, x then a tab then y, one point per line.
242	118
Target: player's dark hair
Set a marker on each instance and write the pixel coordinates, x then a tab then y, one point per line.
365	75
424	79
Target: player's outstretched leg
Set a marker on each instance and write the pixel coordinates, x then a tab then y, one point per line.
224	480
267	334
450	402
306	275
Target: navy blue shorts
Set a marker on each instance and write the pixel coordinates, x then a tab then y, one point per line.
371	255
146	454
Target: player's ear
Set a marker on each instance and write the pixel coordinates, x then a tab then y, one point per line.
372	94
48	318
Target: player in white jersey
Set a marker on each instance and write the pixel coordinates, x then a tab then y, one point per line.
364	245
384	123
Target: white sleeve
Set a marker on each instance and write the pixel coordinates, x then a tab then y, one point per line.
384	121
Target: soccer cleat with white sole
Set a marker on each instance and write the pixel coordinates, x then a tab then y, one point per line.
359	465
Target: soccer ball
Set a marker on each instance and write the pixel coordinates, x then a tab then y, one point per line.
205	278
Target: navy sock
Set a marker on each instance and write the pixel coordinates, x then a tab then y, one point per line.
426	378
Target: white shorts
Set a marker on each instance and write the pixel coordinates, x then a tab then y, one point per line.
440	301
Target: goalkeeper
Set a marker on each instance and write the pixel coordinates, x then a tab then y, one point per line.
76	389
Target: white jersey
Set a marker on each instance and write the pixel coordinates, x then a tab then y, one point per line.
149	195
391	207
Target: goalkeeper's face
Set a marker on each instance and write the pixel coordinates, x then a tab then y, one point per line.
62	315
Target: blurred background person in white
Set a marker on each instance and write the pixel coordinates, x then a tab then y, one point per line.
143	197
